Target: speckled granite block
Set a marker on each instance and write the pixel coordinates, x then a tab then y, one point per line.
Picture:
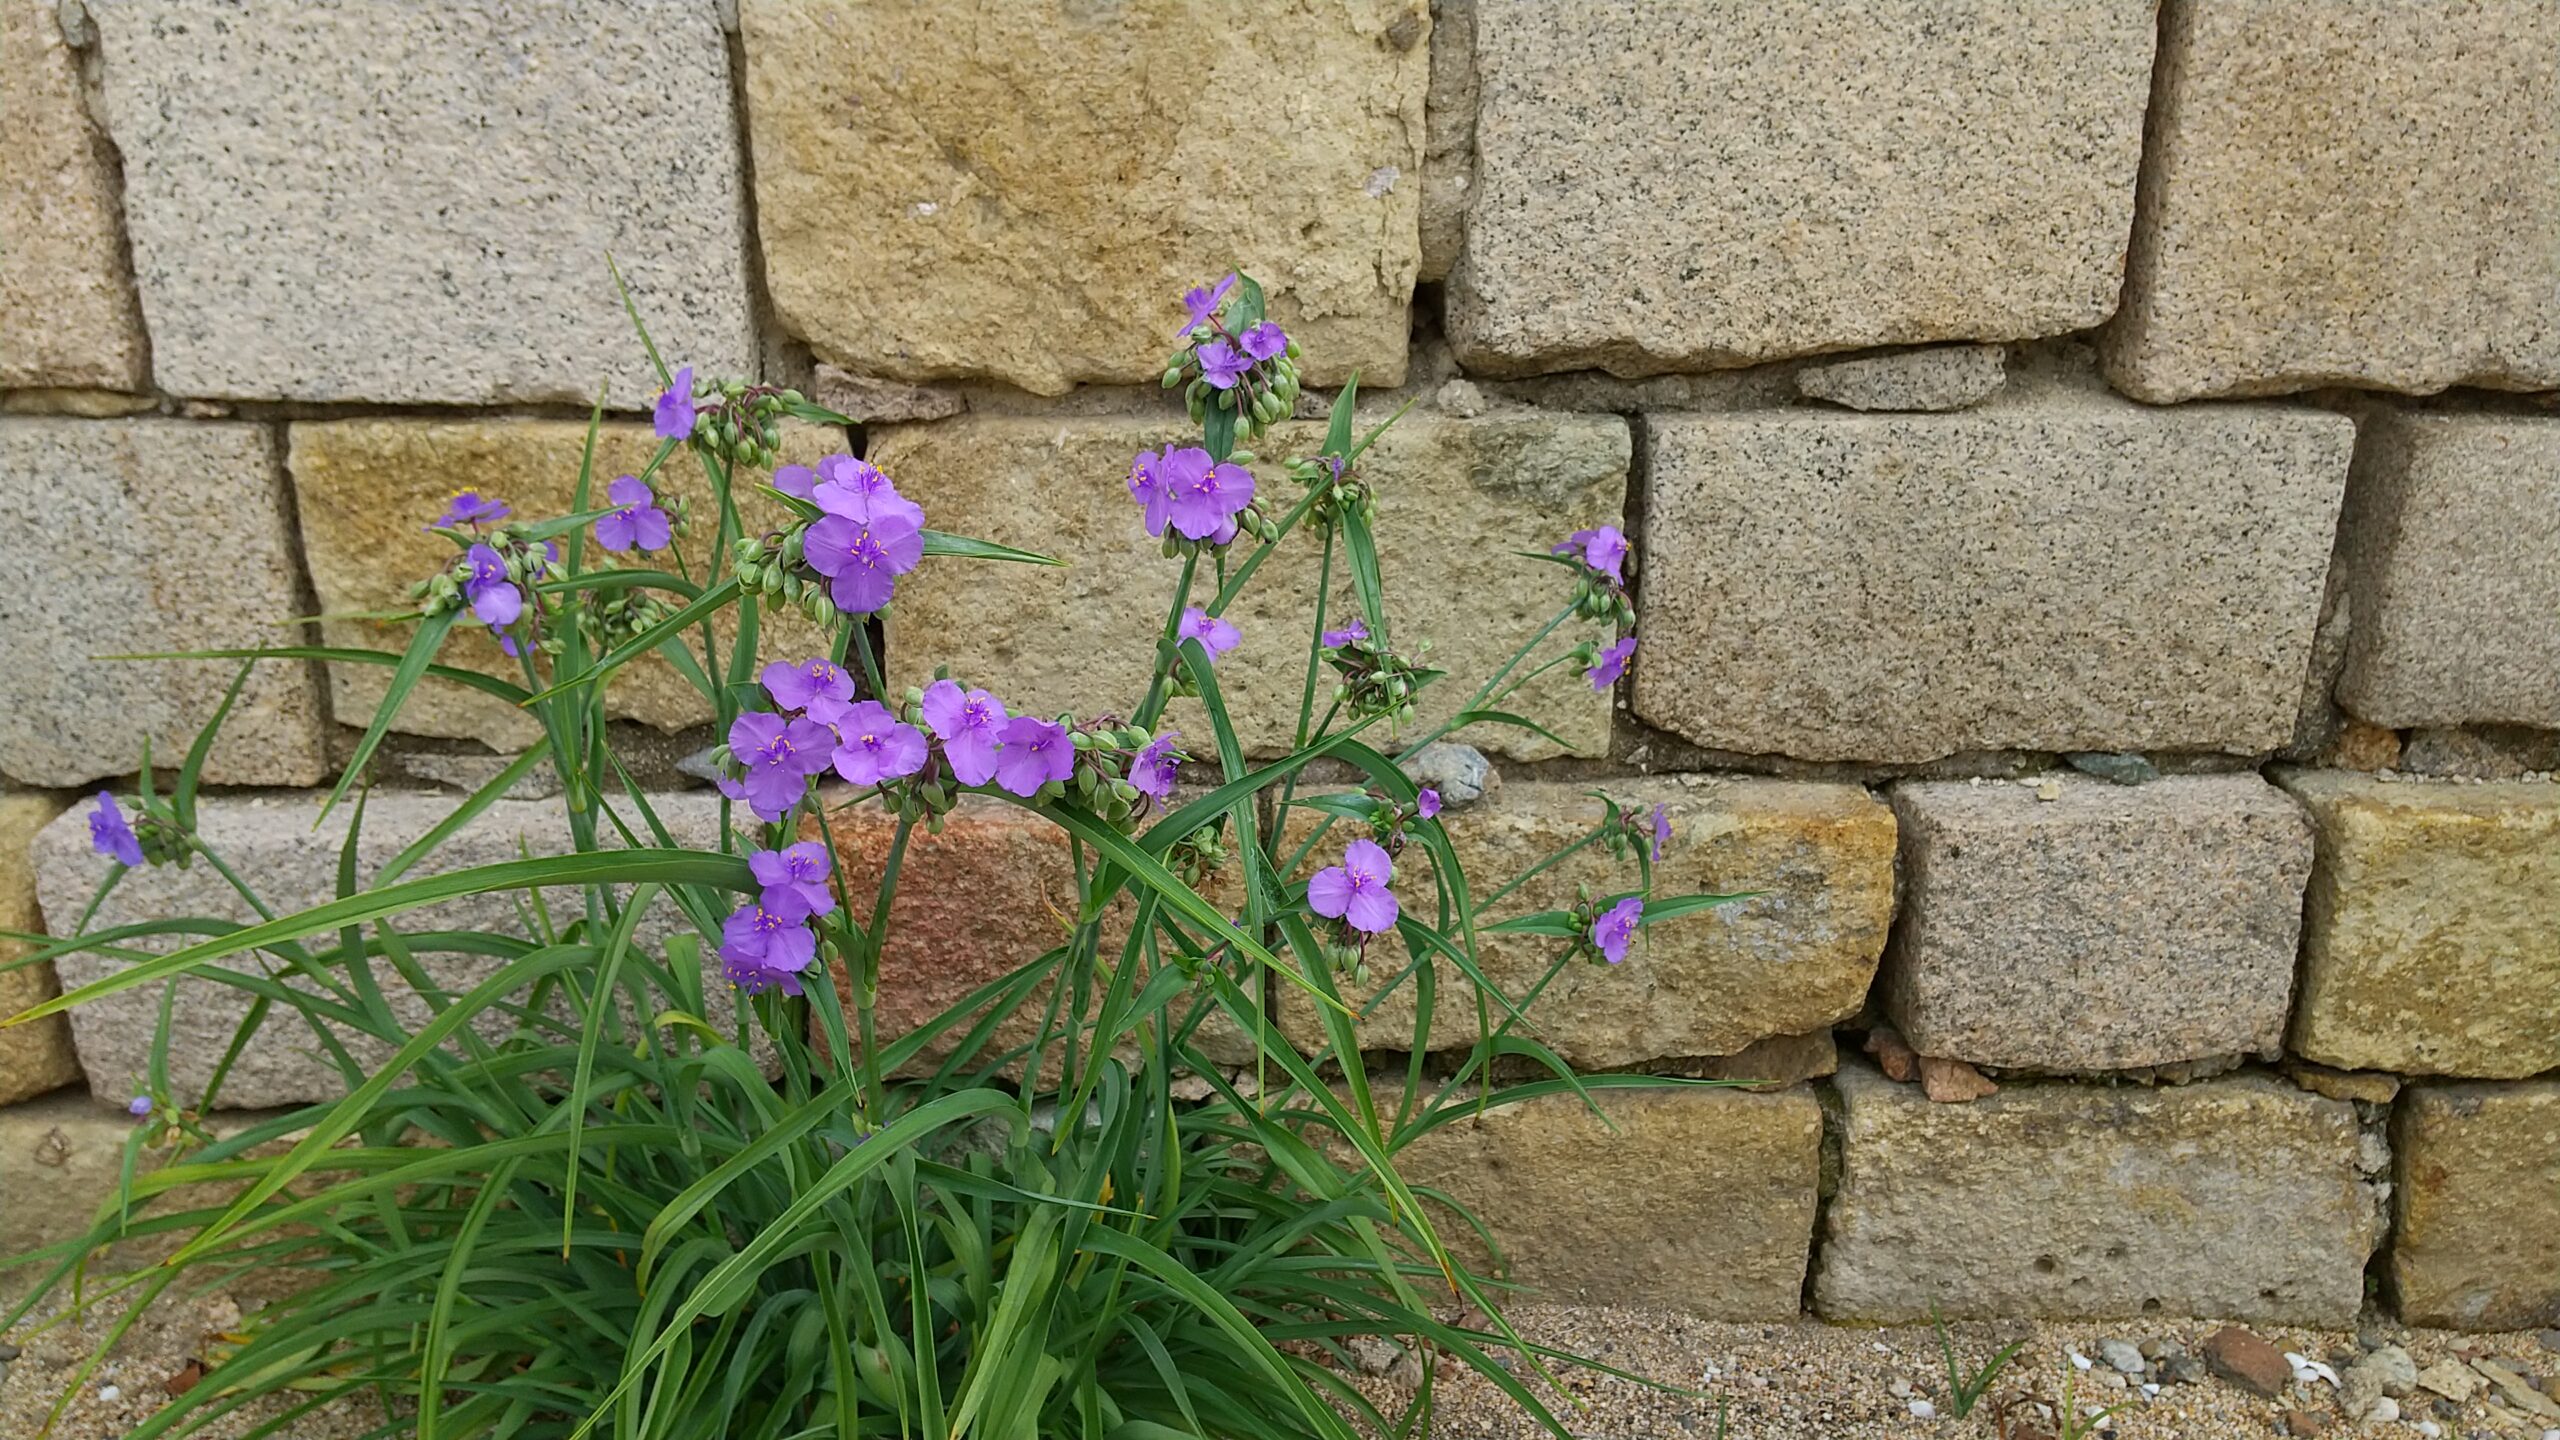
67	315
380	200
2107	927
2062	571
1941	377
1681	186
2452	565
2347	192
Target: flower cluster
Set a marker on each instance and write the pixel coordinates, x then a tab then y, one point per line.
767	943
1192	501
1373	679
730	419
493	577
1234	359
1600	557
863	536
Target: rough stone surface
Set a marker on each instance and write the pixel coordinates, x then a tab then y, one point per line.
881	402
66	296
60	1158
393	202
366	489
1449	151
1679	187
1702	1200
982	144
156	535
1456	498
2476	1239
2451	548
2485	752
1942	377
34	1057
2238	1198
2427	936
2373	1087
1459	774
271	843
2360	194
1796	957
2068	573
2108	926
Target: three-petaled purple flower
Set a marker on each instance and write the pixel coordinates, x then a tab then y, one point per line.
470	507
1201	497
1215	634
1147	487
818	686
863	558
795	874
1616	929
1426	803
1264	341
1034	752
875	746
968	724
1358	629
675	407
1613	663
857	490
779	755
494	598
1222	365
1603	549
1356	891
1202	301
139	1107
110	836
767	943
797	481
1152	769
636	519
1661	831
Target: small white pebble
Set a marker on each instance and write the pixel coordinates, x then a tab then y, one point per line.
2079	1361
2382	1411
1881	1347
1923	1410
2430	1429
110	1394
2150	1390
2551	1434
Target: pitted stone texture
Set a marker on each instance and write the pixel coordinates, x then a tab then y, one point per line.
984	143
379	200
2427	943
271	843
2239	1198
2451	551
1700	1200
2360	194
1942	377
2476	1238
2107	927
1449	152
139	536
67	315
37	1056
366	490
1456	497
2070	572
1796	956
1689	186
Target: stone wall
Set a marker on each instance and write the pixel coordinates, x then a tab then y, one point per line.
2094	467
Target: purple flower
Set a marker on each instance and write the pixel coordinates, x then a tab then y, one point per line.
1147	486
1221	365
1604	550
1200	495
877	746
470	507
763	945
797	481
139	1107
493	597
1336	639
1356	889
1215	635
1426	803
795	875
968	724
675	407
637	521
1264	340
1034	752
1152	771
858	491
818	686
779	755
1613	931
110	836
1201	301
863	557
1613	663
1661	831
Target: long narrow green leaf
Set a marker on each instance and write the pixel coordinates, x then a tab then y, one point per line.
701	608
339	655
413	665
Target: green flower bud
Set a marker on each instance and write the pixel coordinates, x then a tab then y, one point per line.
1172	376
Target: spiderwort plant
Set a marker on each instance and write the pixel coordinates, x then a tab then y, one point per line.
664	1172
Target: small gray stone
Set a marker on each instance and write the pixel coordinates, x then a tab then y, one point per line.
873	401
2114	768
703	765
378	200
2391	1370
1943	377
2548	1340
2182	1370
2123	1355
2482	752
1461	773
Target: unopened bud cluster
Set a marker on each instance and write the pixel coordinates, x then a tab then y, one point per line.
1376	680
775	567
742	423
1261	395
1339	489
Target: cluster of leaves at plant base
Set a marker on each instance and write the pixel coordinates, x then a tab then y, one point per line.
569	1203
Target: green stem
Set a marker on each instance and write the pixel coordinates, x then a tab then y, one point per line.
1167	655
